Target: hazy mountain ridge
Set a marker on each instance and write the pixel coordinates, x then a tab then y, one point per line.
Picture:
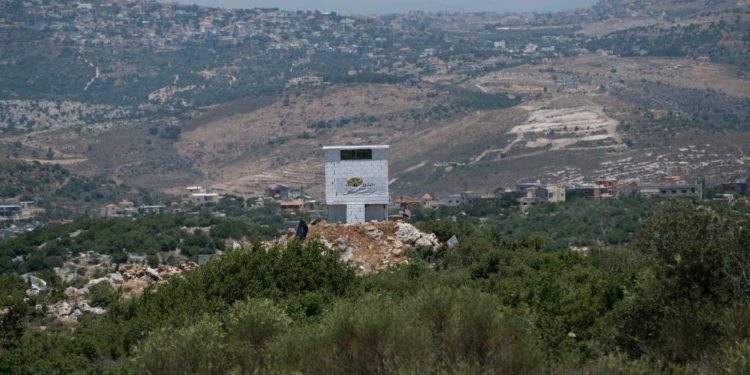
136	92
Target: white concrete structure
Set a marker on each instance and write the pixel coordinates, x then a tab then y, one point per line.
356	183
203	198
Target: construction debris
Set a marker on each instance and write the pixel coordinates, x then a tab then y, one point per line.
370	247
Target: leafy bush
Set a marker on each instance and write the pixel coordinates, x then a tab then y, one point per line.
198	348
102	295
672	301
251	325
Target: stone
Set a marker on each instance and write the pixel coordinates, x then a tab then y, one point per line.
407	233
342	243
326	245
365	268
74	316
84	307
428	241
93	282
348	254
423	242
116	278
152	273
373	232
67	272
60	309
71	292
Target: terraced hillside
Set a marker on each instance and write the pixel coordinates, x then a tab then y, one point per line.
239	99
565	136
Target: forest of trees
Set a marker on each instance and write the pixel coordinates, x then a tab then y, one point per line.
672	300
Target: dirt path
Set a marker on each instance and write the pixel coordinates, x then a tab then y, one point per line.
94	78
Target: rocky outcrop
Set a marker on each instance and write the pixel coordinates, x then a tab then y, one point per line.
369	247
70	311
115	278
410	235
130	279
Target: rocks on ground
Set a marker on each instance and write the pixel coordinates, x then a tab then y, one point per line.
370	247
130	279
70	311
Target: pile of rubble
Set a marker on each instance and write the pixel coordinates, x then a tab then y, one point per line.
130	280
370	247
69	312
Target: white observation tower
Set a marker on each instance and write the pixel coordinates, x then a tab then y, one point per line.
356	183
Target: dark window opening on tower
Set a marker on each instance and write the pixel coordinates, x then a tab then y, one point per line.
365	154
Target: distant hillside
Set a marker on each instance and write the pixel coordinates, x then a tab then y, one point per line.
723	37
165	96
62	193
666	9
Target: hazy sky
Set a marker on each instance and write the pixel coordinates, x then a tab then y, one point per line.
398	6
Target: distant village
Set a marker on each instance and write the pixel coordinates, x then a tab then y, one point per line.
534	193
292	202
169	27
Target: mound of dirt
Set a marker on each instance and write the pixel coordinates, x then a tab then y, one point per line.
370	247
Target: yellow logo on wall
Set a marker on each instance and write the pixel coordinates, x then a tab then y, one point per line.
355	182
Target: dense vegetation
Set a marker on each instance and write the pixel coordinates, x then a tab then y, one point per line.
48	247
674	300
577	222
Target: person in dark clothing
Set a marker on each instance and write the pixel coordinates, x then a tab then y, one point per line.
302	230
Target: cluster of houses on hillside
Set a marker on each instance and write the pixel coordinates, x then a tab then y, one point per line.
533	193
192	195
291	200
356	190
18	217
19	211
125	208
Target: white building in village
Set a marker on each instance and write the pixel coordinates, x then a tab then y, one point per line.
356	183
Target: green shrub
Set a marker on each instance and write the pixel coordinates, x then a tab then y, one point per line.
483	335
198	348
153	260
443	330
102	295
617	364
373	335
250	326
735	358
